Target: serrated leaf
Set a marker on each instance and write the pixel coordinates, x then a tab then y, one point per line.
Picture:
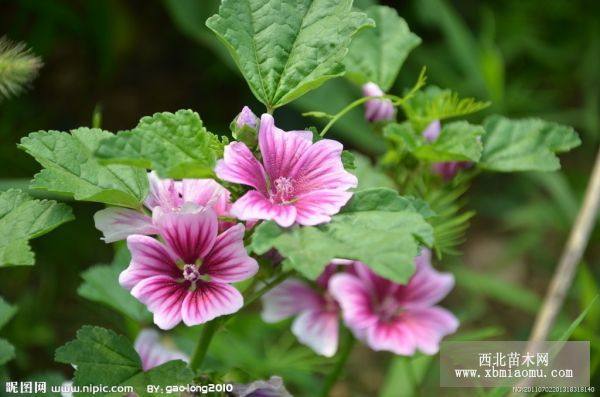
71	168
285	48
378	54
369	176
434	103
458	141
103	357
23	218
176	145
101	284
525	144
377	227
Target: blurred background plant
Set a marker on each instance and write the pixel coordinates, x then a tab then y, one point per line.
127	59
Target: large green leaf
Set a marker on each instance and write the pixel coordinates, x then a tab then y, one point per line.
376	227
177	145
101	284
285	48
525	144
378	54
103	357
369	176
23	218
458	141
71	168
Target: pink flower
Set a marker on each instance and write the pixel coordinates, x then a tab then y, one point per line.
377	109
297	182
117	223
394	317
153	352
317	314
187	278
246	118
447	170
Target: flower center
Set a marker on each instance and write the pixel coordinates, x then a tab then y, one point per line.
191	273
283	190
388	309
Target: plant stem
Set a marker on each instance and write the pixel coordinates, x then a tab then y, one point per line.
571	256
202	347
213	326
344	354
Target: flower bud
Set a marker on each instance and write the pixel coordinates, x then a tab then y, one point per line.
244	126
377	109
447	170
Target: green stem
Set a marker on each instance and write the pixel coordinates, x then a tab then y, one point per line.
202	347
213	326
344	354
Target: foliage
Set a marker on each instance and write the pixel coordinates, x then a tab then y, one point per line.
177	145
7	351
285	48
103	357
22	219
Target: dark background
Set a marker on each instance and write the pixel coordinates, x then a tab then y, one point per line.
132	58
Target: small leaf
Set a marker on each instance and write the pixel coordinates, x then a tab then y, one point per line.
103	357
378	54
101	284
21	219
525	144
369	176
7	311
175	144
377	227
70	168
285	48
7	351
458	141
348	160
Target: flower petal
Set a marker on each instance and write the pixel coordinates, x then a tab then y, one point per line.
354	299
429	326
228	261
280	150
320	167
253	205
190	232
164	297
240	166
149	257
395	337
318	329
288	299
318	206
117	223
152	353
163	193
210	300
206	193
427	286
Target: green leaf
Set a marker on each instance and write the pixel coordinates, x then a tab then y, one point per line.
103	357
405	376
433	103
7	311
378	54
377	227
70	168
458	141
525	144
101	284
177	145
348	160
285	48
7	351
566	335
23	218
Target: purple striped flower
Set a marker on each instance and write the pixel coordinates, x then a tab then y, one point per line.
117	223
272	388
187	278
317	313
297	182
377	109
153	352
393	317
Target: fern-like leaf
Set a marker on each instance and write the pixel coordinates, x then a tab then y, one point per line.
18	66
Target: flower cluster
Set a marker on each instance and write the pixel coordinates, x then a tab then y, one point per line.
385	315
